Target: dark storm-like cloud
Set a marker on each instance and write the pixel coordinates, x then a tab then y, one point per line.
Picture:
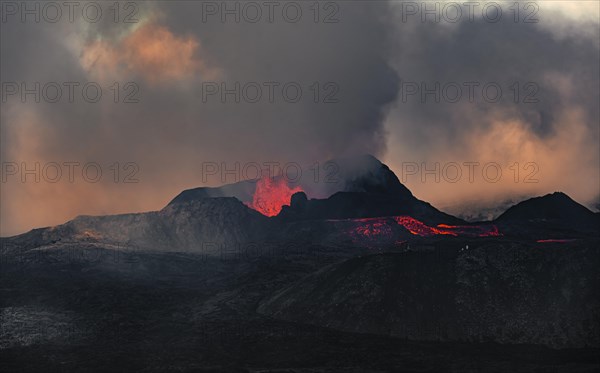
559	132
504	53
351	54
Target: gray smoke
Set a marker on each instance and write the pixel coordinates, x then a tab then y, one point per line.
173	55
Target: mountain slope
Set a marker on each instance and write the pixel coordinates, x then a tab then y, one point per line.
242	190
194	226
556	211
505	294
365	188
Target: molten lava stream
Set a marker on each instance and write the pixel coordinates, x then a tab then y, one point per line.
382	227
556	240
271	195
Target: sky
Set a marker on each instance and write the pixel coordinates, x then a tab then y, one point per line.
117	108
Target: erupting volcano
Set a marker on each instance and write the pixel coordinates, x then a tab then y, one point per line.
271	194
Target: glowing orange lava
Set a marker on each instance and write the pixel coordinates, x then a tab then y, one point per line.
271	195
384	228
373	229
419	228
556	240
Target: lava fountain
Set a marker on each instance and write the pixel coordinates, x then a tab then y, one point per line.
271	194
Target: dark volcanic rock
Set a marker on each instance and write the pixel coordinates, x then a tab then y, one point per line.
364	187
242	190
156	291
191	226
554	213
502	293
344	205
368	174
298	201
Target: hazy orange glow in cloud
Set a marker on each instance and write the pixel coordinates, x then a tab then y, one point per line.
151	51
561	161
